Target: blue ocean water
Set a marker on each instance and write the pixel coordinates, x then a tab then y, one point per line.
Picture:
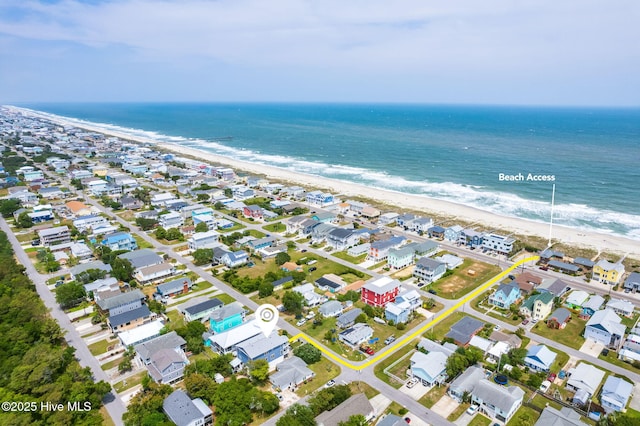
454	153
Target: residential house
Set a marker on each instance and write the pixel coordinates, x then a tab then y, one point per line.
379	250
130	319
300	225
203	240
471	238
226	317
279	284
605	327
290	373
331	283
420	225
380	291
234	259
436	232
159	200
428	270
465	383
82	268
319	198
78	209
172	288
527	282
388	218
554	286
450	260
37	216
226	341
462	331
171	220
538	306
122	302
405	304
400	258
505	296
564	267
311	298
347	319
498	243
481	343
183	411
207	219
584	380
429	368
539	358
608	273
359	250
591	306
272	348
404	219
576	299
252	211
354	405
332	308
633	281
341	239
54	236
621	307
154	272
120	241
261	243
51	193
549	254
563	417
91	221
141	333
202	310
559	318
615	395
356	335
584	263
131	203
81	251
325	217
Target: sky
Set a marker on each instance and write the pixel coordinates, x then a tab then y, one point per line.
514	52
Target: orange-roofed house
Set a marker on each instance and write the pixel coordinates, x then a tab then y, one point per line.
78	208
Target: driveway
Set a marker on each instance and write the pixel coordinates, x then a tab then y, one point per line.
379	403
416	392
591	347
445	406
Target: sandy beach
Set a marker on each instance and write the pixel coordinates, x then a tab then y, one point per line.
602	242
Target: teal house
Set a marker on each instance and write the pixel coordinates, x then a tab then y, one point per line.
226	318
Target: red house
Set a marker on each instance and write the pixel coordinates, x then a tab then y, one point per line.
380	292
252	211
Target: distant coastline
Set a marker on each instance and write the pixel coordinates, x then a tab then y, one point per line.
401	201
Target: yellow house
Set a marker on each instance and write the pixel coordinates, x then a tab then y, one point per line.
608	273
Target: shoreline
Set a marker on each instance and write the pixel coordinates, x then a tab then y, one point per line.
607	243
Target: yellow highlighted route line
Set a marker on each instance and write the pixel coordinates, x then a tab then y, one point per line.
422	329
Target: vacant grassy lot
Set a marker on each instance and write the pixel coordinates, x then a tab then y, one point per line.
524	416
380	367
480	420
460	410
100	347
570	335
325	370
129	382
464	279
433	396
142	243
275	227
355	260
362	387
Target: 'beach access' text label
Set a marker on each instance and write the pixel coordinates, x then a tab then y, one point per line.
530	177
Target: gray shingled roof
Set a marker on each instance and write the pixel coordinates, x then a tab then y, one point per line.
120	299
463	330
141	258
170	340
125	317
180	409
203	306
356	404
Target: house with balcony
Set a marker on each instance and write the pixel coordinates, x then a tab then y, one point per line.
584	380
155	272
428	270
122	302
84	223
202	310
379	250
120	241
203	240
606	272
615	394
538	306
380	291
226	317
130	319
318	198
405	304
226	341
341	238
632	282
606	327
430	369
234	259
171	220
272	348
54	236
505	296
498	244
471	238
621	307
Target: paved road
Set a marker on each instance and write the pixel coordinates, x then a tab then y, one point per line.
112	401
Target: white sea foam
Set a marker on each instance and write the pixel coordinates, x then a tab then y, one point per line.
577	216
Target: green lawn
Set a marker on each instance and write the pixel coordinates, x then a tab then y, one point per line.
433	396
112	364
100	347
24	238
380	367
460	409
256	233
325	370
275	227
480	420
175	319
130	382
525	416
225	298
355	260
202	285
438	331
377	265
462	281
541	402
630	322
570	335
612	358
318	332
561	360
362	387
236	227
142	243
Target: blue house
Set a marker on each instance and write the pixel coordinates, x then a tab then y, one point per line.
471	238
120	241
505	295
226	318
591	306
539	358
452	233
272	348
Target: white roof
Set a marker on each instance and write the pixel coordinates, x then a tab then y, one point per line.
141	333
236	335
382	285
577	297
481	343
586	377
499	349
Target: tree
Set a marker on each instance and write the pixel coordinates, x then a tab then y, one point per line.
70	294
202	227
200	386
174	234
362	318
456	364
535	380
7	207
160	233
24	220
259	370
282	258
202	256
146	223
203	197
351	295
125	366
297	415
520	332
122	269
157	307
309	353
355	420
329	398
293	302
265	289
